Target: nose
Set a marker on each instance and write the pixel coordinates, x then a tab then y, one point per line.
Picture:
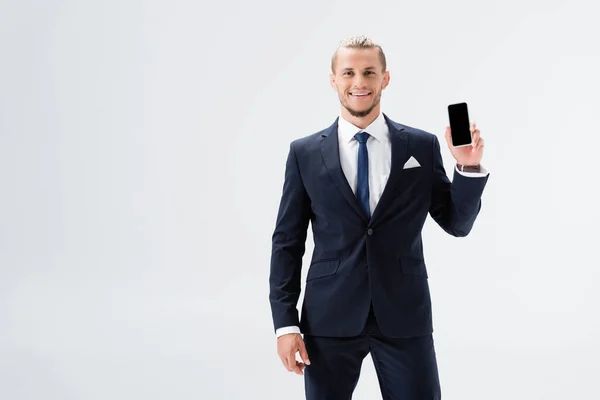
358	82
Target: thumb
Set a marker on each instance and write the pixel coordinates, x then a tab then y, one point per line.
303	353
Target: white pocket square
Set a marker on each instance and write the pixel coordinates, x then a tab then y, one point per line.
411	163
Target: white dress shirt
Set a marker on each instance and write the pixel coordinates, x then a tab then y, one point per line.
379	149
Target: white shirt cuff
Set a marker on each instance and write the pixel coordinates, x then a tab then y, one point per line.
287	329
482	174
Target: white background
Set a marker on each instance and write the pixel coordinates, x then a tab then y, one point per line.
142	151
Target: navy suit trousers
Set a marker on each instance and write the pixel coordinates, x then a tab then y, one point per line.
406	367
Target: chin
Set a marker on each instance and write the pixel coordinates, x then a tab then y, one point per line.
359	113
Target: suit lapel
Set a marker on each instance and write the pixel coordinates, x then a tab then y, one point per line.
399	143
331	157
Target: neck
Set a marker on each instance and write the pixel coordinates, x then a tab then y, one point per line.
361	122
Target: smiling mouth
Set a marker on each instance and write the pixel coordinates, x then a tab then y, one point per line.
360	95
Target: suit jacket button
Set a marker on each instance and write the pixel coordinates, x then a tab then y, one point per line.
370	232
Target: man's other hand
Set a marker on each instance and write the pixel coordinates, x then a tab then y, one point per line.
287	347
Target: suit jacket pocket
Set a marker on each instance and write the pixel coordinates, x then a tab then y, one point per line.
413	266
414	171
322	268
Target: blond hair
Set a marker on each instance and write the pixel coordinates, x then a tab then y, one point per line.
359	42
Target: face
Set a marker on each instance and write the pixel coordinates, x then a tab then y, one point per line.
359	80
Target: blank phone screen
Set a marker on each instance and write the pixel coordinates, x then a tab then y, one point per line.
459	124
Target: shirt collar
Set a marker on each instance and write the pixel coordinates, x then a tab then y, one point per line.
378	129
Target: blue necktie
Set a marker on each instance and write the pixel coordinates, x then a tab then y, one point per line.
362	186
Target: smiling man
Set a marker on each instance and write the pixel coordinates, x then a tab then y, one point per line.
366	183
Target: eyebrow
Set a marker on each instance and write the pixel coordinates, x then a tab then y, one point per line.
350	69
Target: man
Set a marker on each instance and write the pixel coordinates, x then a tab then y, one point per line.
366	183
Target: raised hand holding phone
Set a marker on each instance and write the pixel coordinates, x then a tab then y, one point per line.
465	143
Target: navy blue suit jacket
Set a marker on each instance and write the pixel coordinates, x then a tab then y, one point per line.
357	260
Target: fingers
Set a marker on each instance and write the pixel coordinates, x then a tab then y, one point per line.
286	362
291	361
299	368
294	366
303	353
287	353
479	144
475	136
288	359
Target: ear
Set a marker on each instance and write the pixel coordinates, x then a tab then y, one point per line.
386	80
332	82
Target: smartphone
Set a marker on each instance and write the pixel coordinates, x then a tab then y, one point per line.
459	124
